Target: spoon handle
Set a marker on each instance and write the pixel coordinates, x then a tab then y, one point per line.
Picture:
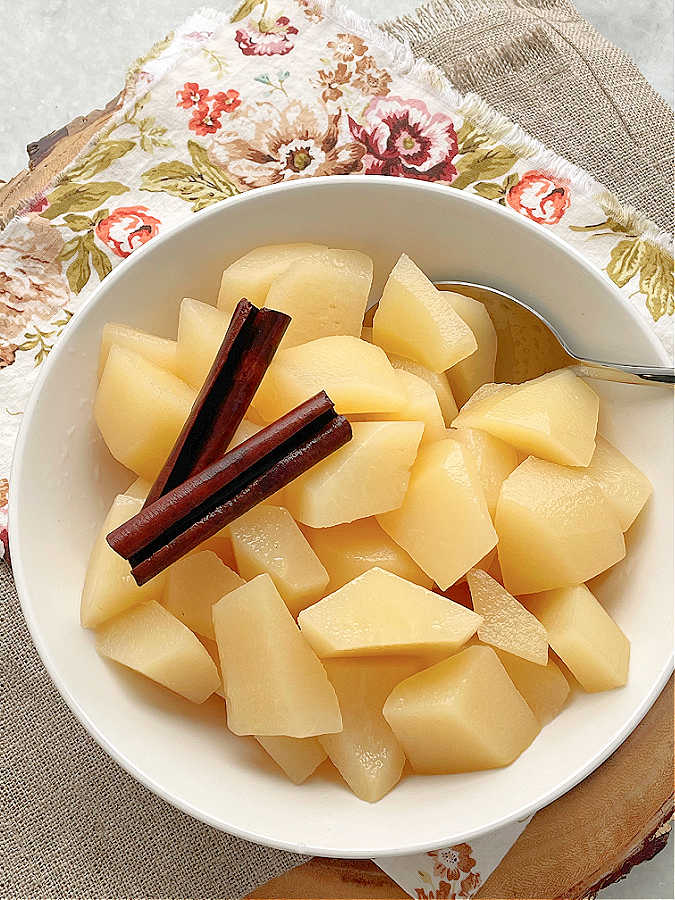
626	374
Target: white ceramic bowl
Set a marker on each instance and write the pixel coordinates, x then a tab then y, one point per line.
64	479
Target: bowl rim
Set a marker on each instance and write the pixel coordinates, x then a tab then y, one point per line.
20	577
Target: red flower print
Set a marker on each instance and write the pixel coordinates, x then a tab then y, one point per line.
225	102
264	39
4	543
37	204
205	120
471	883
452	861
127	228
403	138
540	198
191	95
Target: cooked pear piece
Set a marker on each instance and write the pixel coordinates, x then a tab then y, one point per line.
157	350
555	528
251	275
138	489
109	587
201	329
366	752
494	459
444	522
544	688
461	715
212	649
149	640
369	475
349	550
267	540
624	486
275	683
436	380
415	320
356	375
296	757
554	417
140	410
506	624
583	634
325	294
193	584
469	374
380	613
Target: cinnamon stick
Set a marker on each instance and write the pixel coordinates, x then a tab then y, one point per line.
247	349
187	515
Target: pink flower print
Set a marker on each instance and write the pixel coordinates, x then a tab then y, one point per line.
540	198
127	228
263	39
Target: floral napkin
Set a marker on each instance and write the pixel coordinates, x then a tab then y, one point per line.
280	90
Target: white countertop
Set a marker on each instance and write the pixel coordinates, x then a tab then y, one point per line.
62	58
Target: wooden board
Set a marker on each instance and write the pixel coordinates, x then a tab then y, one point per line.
618	817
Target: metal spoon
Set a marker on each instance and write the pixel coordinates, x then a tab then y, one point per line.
521	328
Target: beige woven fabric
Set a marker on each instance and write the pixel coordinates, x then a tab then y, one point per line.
75	824
545	67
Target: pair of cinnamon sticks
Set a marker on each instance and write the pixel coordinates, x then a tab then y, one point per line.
202	487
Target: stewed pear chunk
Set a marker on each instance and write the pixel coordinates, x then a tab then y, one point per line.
544	688
554	417
584	636
366	752
274	681
436	380
624	486
252	275
368	475
415	320
140	410
201	329
296	757
325	294
506	624
157	350
356	375
469	374
494	459
267	540
351	549
555	528
193	585
461	715
380	613
444	522
149	640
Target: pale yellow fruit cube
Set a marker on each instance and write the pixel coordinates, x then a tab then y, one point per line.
157	350
544	688
421	405
506	624
296	757
325	294
275	683
356	375
267	540
140	410
250	277
444	522
212	649
245	430
193	585
138	489
585	637
461	715
349	550
554	417
369	475
555	528
494	459
415	320
469	374
436	380
220	544
201	329
109	587
380	613
624	486
149	640
366	752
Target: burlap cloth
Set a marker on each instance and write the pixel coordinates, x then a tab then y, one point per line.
75	824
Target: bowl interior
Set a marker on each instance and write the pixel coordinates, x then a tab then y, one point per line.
64	480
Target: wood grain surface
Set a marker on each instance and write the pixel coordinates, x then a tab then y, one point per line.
618	817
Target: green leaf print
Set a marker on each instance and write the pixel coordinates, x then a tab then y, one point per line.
201	184
656	280
625	259
78	223
244	10
489	189
483	164
71	197
99	260
79	270
101	155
